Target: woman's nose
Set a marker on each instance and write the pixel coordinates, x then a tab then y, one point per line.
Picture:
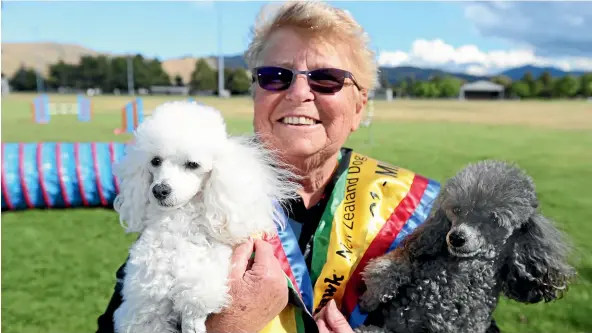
299	91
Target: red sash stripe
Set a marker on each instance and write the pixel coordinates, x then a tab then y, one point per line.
278	251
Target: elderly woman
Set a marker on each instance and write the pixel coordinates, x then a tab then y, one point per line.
312	71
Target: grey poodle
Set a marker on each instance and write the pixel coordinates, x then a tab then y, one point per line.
484	238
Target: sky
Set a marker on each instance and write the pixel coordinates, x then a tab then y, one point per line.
471	37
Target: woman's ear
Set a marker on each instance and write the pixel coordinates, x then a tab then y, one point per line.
361	102
537	269
244	191
134	184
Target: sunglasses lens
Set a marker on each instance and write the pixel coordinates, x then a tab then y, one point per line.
274	78
326	80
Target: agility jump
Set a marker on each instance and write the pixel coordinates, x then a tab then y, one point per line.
43	109
132	115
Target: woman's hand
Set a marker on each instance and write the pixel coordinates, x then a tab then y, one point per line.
331	320
259	291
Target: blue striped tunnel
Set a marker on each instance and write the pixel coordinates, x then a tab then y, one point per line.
59	175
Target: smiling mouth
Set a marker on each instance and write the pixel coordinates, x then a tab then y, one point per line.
299	121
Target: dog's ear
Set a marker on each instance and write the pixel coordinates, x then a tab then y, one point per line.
134	183
429	238
245	190
537	268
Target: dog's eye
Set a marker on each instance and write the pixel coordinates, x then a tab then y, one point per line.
192	165
456	210
494	218
156	161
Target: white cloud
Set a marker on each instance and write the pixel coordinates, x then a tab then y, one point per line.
470	59
550	28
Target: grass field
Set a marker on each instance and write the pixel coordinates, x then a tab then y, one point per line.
58	266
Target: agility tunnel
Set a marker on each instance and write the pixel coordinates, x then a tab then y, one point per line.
59	175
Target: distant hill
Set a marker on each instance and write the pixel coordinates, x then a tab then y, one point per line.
396	74
40	55
518	72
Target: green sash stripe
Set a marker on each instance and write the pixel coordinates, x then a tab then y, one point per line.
322	235
300	328
298	313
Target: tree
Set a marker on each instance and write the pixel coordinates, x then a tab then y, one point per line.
156	74
502	80
203	76
24	79
586	85
179	81
62	75
449	87
566	86
239	82
534	87
545	81
425	89
520	89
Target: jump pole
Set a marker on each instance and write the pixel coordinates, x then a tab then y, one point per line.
132	115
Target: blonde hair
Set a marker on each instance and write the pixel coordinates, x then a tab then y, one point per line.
318	20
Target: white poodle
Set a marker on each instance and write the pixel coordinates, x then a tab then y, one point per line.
193	193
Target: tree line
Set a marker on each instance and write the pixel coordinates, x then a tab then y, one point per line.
544	86
111	74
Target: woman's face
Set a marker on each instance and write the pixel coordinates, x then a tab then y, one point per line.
329	118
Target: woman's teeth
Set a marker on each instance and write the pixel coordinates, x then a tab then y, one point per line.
298	121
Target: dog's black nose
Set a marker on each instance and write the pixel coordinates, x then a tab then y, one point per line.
457	239
161	191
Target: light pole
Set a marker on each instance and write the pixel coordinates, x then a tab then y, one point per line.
39	66
220	54
130	76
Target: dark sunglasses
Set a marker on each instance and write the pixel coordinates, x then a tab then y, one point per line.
322	80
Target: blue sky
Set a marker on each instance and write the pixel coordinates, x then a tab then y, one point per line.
437	34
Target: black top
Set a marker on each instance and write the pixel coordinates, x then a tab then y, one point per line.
309	220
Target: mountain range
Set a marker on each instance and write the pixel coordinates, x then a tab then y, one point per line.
40	55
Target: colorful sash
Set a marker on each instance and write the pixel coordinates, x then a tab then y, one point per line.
371	209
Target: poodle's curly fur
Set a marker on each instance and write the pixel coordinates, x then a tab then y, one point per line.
192	193
484	238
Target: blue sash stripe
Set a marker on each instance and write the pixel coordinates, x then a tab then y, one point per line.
422	211
297	263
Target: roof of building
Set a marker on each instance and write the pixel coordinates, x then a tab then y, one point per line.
482	85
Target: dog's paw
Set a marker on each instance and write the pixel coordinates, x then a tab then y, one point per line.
370	329
369	301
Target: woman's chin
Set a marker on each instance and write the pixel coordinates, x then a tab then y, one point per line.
299	148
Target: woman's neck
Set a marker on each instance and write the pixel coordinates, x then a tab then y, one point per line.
315	177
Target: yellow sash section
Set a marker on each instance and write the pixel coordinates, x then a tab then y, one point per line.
357	221
284	322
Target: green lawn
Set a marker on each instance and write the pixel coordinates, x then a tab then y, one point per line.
58	266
